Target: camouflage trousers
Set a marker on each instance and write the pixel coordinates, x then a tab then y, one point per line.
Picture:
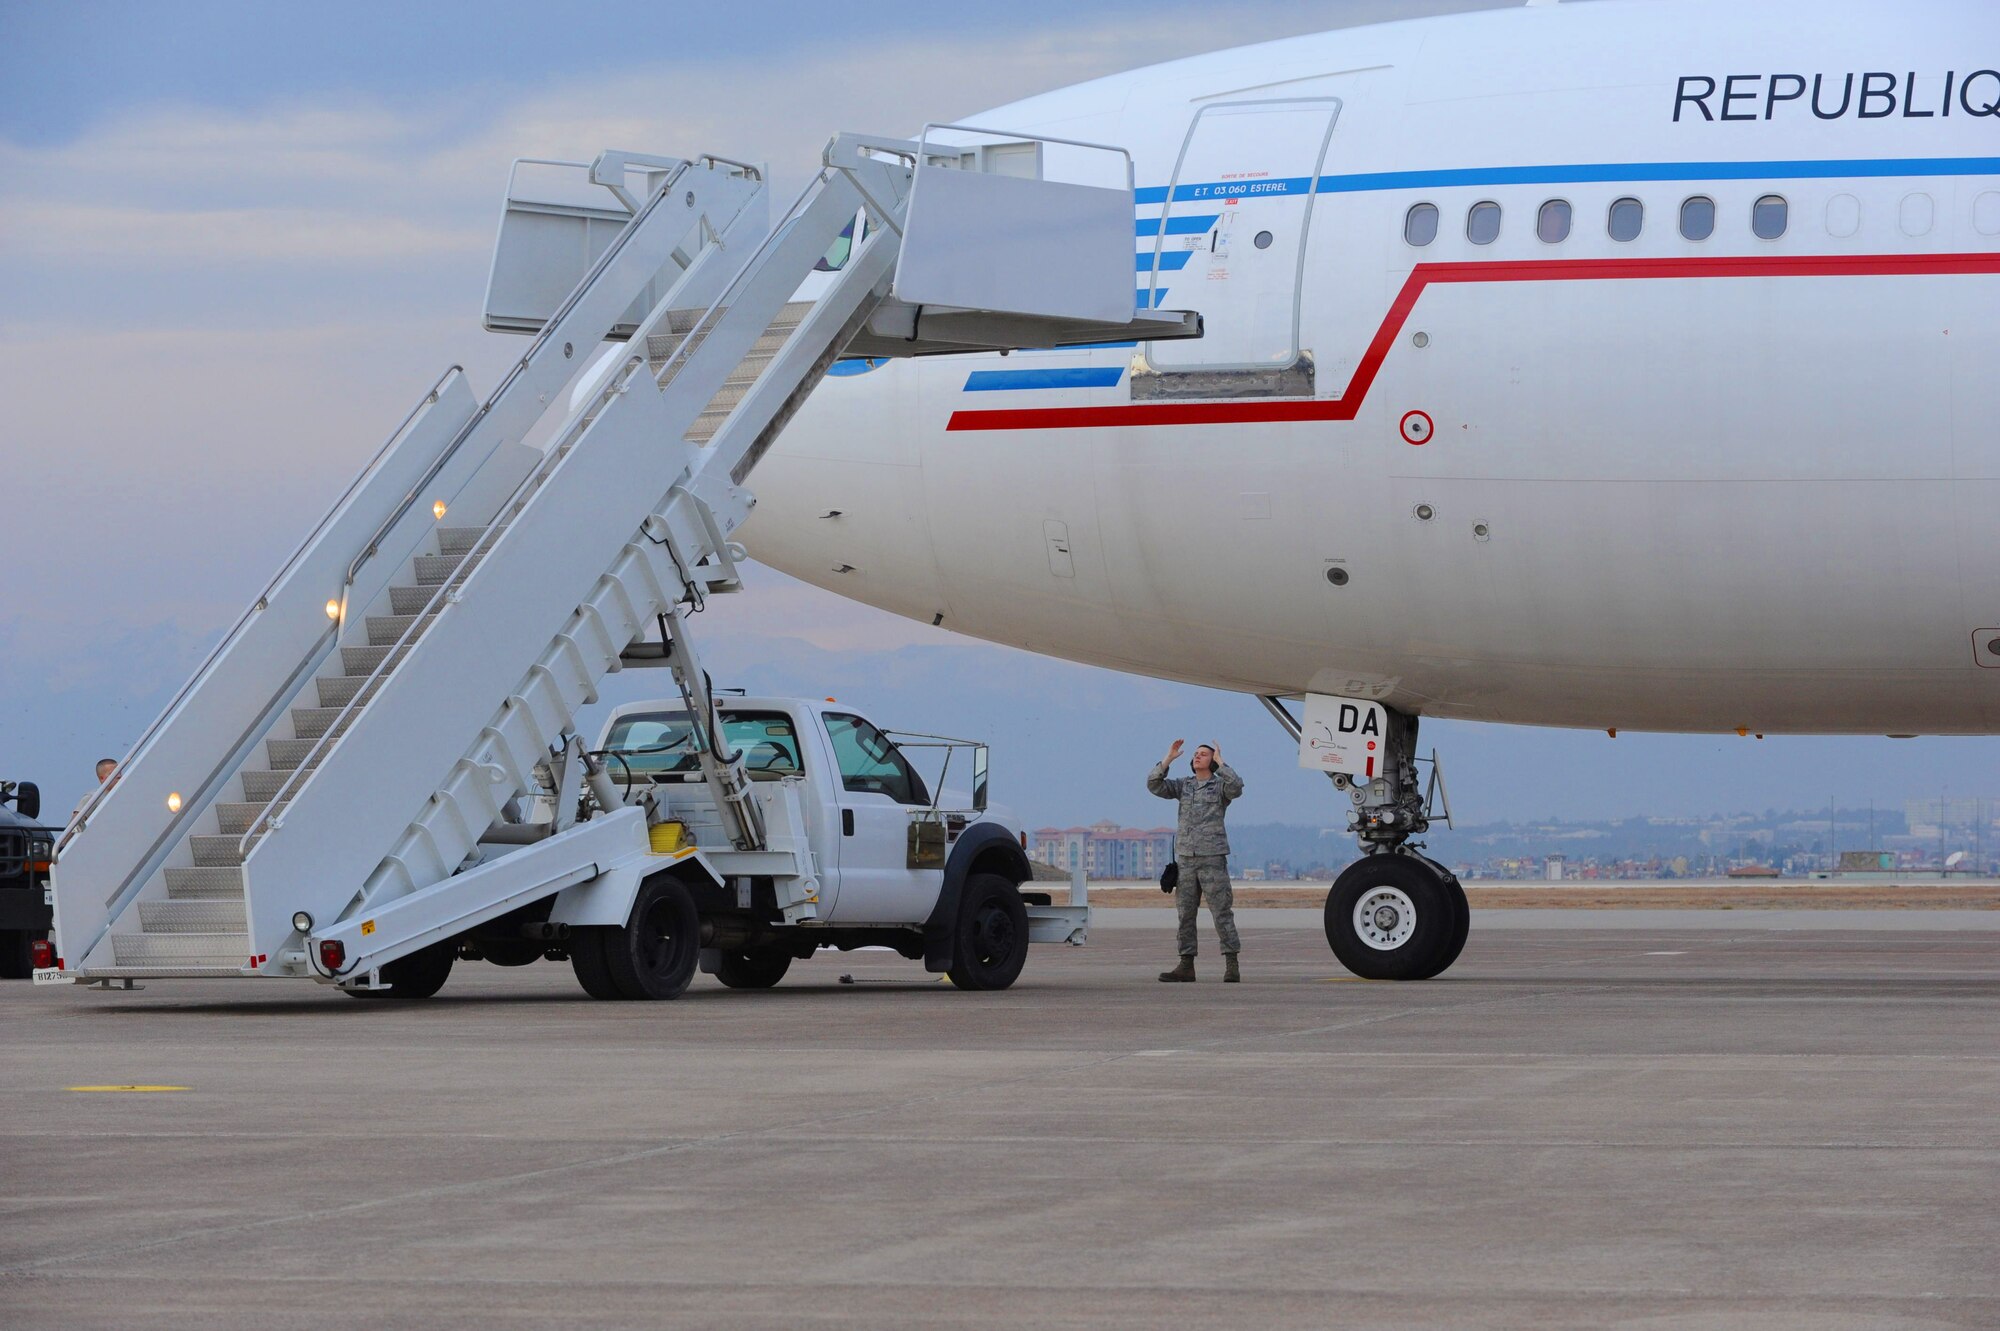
1206	876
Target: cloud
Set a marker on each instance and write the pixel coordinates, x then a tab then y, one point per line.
145	236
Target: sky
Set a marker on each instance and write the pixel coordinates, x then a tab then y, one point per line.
238	240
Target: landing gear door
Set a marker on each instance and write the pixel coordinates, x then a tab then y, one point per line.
1343	735
1231	241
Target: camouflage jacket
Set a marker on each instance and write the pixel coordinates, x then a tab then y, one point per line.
1203	803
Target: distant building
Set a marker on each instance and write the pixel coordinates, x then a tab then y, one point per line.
1104	850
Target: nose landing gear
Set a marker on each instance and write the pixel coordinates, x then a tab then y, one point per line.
1395	913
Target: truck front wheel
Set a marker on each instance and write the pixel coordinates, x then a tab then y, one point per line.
990	941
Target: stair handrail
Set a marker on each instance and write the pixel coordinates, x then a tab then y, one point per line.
520	366
684	347
263	600
532	480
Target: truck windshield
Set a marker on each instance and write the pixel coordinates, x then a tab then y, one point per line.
660	742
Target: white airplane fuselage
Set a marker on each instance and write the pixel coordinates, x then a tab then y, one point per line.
1662	482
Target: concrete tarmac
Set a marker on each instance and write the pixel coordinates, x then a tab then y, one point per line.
1608	1127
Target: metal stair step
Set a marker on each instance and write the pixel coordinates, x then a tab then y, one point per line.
312	722
432	570
262	786
339	690
411	600
234	819
219	916
364	660
216	850
285	755
203	882
457	540
388	630
177	971
225	951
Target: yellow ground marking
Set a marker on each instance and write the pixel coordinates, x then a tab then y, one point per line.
125	1088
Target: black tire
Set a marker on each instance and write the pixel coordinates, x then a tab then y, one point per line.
653	957
1411	925
586	958
17	953
1461	927
752	970
990	939
419	975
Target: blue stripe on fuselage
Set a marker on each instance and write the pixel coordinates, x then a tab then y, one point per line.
1581	173
1082	376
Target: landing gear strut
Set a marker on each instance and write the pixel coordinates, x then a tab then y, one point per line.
1395	913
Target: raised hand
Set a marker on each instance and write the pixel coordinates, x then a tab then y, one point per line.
1175	751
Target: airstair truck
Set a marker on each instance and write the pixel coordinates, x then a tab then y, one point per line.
379	761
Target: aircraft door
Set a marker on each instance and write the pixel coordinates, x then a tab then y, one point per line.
1232	244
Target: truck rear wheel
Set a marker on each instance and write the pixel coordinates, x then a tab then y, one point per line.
759	969
990	940
17	953
654	956
586	958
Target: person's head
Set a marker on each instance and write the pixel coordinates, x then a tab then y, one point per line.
105	767
1203	760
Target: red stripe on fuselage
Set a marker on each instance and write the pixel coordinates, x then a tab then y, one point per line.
1348	404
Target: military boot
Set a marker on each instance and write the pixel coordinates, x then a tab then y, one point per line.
1230	975
1181	974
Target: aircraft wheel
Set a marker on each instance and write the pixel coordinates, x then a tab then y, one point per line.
1395	917
759	969
990	944
419	975
654	956
1461	926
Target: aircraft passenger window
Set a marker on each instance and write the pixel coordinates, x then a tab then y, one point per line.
1698	218
1986	213
1482	224
1552	223
1262	240
1768	216
1916	214
1627	216
1843	215
1420	224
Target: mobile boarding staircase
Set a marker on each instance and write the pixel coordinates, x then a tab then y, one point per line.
347	761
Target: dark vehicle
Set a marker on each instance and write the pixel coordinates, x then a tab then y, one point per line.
26	848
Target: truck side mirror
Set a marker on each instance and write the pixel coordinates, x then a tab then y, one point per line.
28	799
979	779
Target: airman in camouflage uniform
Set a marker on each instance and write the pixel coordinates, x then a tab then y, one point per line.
1201	847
